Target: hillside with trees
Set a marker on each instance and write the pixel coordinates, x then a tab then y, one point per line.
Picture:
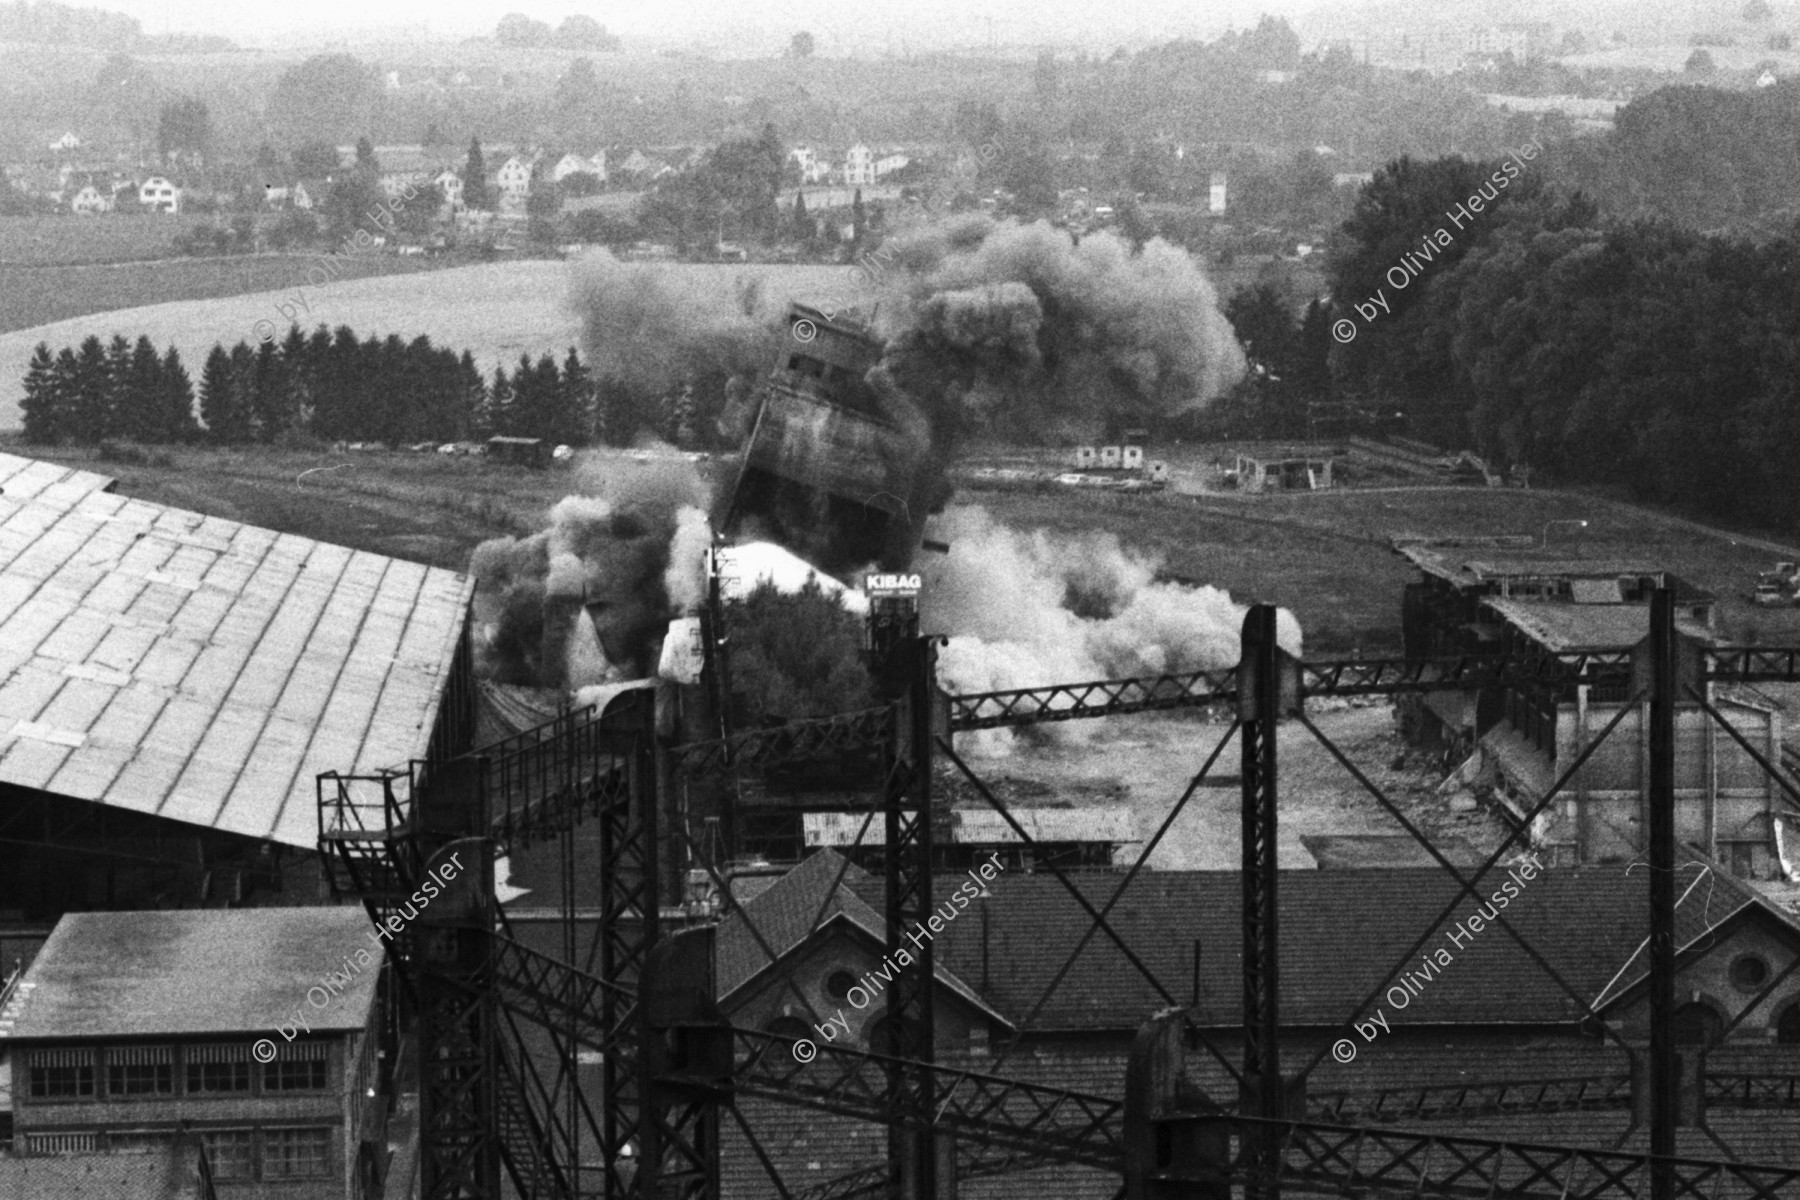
1638	356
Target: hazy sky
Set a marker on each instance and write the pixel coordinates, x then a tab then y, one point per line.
665	22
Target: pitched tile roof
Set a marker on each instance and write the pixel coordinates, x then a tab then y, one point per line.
784	916
1341	932
152	1175
201	669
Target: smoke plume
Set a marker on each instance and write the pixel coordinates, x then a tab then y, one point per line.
1028	610
586	600
1021	332
648	329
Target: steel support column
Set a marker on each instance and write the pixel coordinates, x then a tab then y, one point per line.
453	962
1665	1067
912	1158
628	927
1259	709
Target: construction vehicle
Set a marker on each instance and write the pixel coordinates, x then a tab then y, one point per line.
835	467
1778	588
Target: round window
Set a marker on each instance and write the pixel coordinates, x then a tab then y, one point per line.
1749	972
839	983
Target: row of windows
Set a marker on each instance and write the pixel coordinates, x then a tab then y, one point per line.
232	1153
286	1153
74	1075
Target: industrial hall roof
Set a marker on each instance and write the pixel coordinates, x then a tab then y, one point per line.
1342	932
200	669
197	972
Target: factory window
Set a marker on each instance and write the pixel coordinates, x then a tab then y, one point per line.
296	1153
62	1074
61	1143
287	1075
218	1070
1787	1029
140	1071
228	1153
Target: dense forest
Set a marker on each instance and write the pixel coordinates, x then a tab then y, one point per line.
1632	354
330	386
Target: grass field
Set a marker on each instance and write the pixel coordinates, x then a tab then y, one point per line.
46	294
497	311
1328	555
64	239
1324	555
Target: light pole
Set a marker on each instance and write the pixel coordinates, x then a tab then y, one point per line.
1544	542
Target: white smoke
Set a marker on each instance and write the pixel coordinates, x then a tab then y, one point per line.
1033	609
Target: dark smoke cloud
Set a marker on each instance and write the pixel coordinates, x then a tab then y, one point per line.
649	329
1021	332
586	601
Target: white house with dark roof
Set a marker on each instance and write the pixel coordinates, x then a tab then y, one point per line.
859	166
573	164
450	183
513	182
90	201
159	195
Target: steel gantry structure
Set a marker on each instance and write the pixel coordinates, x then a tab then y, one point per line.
642	994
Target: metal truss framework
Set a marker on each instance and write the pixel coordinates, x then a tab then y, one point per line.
375	841
1340	1160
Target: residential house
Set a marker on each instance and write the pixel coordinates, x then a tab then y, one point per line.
310	194
395	183
450	183
1522	40
1005	1006
90	201
277	197
859	166
66	144
513	183
132	1030
641	166
574	164
812	168
1215	194
159	195
889	163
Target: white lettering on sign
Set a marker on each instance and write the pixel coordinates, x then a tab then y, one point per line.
891	583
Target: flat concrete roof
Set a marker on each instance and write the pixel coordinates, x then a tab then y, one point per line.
204	670
195	972
1559	625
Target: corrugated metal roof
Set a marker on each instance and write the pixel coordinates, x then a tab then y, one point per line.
150	656
198	971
